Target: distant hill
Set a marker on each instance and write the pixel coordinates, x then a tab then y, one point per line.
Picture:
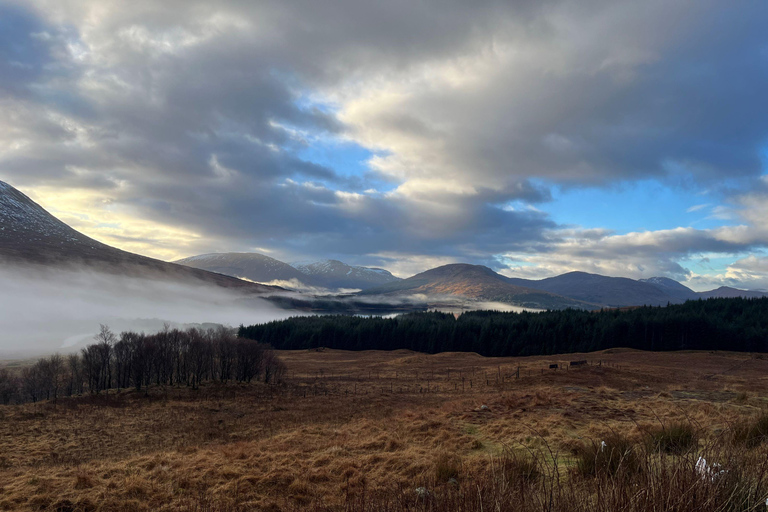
602	290
475	282
623	292
336	274
672	288
250	265
331	274
30	235
726	292
573	289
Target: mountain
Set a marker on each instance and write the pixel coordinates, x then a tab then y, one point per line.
336	274
602	290
475	282
672	288
248	265
726	292
332	274
621	291
32	236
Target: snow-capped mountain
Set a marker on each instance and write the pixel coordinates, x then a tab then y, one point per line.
329	274
250	265
337	274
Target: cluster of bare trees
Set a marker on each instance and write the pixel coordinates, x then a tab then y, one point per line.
137	360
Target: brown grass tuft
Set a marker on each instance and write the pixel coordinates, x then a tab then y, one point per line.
447	466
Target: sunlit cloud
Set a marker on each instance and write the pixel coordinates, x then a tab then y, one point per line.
178	128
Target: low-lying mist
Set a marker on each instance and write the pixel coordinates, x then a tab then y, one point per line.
43	311
298	286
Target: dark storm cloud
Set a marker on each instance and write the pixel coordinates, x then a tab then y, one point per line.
192	113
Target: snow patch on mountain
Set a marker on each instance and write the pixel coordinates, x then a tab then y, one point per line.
20	216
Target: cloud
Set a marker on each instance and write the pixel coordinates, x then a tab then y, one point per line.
174	128
635	255
697	207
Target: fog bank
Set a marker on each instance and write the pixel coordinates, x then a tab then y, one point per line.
44	310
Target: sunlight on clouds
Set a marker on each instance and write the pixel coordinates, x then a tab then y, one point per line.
432	189
640	255
468	117
93	214
405	265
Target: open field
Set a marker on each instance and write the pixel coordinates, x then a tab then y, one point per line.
350	424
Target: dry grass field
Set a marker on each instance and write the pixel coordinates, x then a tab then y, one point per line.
348	430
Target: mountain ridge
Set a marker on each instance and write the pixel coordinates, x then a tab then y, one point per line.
329	274
598	289
337	274
30	235
478	283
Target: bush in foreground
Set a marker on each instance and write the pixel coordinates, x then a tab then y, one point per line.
676	438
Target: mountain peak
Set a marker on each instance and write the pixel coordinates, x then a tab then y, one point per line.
28	231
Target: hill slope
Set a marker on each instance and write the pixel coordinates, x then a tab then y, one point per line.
336	274
602	290
254	266
726	292
672	288
332	274
31	235
475	282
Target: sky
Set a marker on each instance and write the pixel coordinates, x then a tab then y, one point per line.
535	137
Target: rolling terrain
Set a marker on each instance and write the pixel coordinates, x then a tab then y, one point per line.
726	292
622	292
601	290
367	430
477	283
574	289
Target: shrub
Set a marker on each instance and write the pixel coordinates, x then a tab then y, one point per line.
520	469
447	466
752	433
614	456
677	438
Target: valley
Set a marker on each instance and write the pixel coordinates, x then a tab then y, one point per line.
365	430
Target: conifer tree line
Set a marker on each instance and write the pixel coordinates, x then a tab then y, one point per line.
713	324
138	361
